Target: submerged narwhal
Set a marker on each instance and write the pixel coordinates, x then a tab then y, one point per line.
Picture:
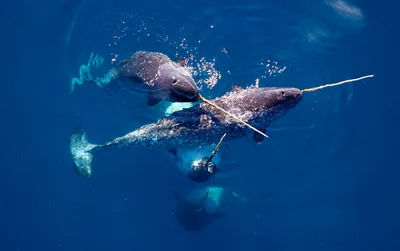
203	205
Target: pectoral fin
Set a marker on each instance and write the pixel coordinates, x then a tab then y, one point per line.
154	98
258	138
172	150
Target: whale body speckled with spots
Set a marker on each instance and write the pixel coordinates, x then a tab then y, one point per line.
197	126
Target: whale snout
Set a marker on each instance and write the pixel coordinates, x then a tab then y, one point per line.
179	82
291	94
184	89
277	97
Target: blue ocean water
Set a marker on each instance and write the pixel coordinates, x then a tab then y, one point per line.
326	179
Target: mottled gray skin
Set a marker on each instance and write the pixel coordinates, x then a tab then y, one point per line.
199	125
153	73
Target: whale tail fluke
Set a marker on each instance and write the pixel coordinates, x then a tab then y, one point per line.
81	149
85	72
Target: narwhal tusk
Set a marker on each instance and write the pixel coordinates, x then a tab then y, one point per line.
335	84
215	149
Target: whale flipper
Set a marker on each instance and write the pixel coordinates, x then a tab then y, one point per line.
258	138
174	151
85	71
155	98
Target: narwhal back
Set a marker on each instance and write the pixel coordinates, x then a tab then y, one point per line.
142	66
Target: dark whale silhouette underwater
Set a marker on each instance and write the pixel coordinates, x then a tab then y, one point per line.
204	205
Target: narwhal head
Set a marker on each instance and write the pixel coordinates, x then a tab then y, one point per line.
178	82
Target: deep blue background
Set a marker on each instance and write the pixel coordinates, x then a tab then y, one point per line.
327	179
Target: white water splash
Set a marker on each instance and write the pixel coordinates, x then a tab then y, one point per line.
272	68
201	67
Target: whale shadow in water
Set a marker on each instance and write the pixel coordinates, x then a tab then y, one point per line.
193	216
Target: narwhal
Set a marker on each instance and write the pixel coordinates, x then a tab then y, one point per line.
204	205
152	75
